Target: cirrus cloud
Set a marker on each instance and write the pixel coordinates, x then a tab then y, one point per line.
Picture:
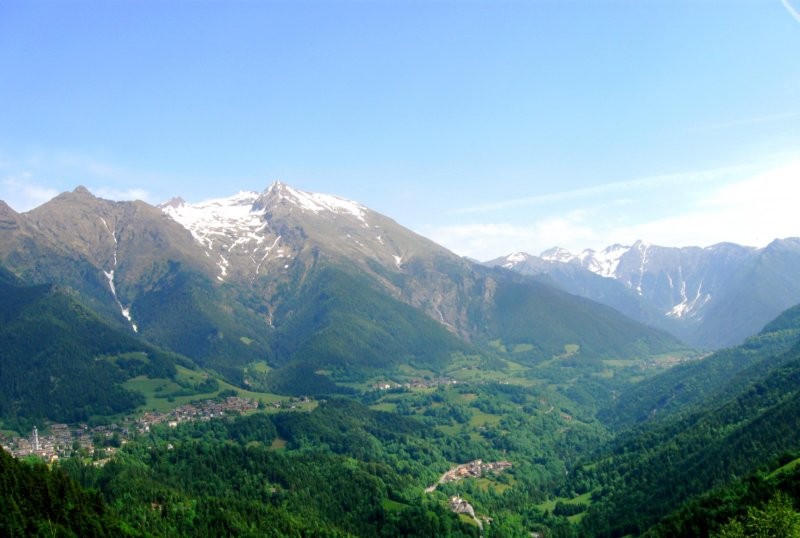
750	209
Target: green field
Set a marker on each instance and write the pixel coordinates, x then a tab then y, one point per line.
789	467
393	506
586	498
163	394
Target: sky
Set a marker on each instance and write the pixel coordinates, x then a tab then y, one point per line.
488	126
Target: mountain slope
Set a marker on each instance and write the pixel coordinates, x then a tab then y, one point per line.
299	229
703	382
108	251
709	297
530	312
137	269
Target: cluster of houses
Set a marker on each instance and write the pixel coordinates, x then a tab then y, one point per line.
415	384
472	469
202	410
63	440
461	506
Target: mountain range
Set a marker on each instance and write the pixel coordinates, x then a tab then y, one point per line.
317	289
708	297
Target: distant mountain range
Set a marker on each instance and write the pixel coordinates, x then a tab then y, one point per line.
319	289
709	297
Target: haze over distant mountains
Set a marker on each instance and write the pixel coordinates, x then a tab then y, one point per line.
709	297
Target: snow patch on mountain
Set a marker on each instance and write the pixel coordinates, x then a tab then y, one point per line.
688	308
266	254
226	225
221	219
126	312
513	259
238	227
223	267
643	249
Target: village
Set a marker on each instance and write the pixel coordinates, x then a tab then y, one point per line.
415	384
101	442
472	469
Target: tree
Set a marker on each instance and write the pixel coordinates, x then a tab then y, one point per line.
777	519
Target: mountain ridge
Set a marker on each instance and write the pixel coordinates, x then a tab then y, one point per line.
710	297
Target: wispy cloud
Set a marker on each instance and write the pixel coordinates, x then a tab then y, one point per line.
93	167
626	186
126	194
22	193
752	209
483	241
792	11
32	179
743	122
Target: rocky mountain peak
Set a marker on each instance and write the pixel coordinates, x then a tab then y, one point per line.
513	259
175	201
80	193
83	191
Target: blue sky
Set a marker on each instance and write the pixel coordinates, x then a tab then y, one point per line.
490	127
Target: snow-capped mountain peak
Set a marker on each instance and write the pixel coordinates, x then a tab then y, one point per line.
557	254
605	262
249	232
309	201
513	259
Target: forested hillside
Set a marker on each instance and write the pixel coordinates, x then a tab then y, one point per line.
345	471
714	379
752	417
61	362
